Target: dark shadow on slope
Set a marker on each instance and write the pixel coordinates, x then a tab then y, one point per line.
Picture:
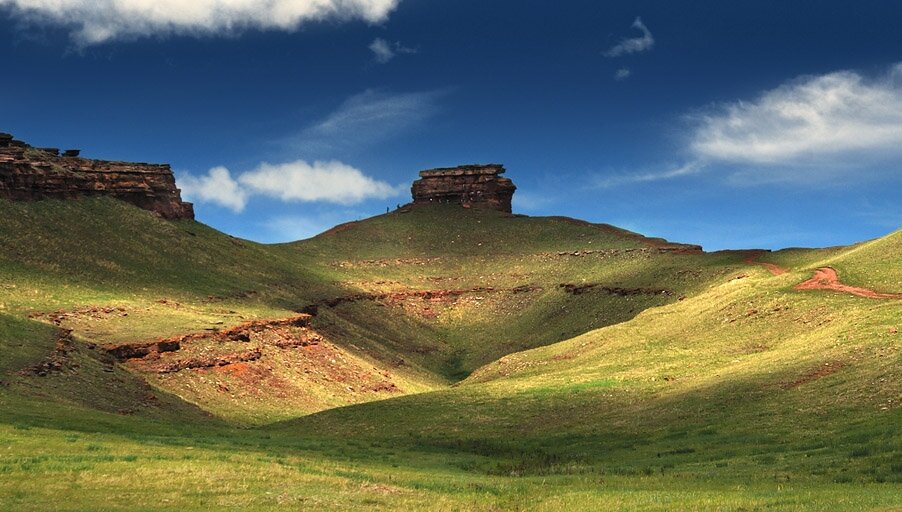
767	422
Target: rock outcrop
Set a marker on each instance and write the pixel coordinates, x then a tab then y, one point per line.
29	174
467	185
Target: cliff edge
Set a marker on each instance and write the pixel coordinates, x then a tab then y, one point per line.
30	174
467	185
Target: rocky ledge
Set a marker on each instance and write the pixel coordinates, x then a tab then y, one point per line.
29	174
467	185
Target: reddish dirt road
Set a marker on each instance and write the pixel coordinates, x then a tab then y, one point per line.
774	269
827	279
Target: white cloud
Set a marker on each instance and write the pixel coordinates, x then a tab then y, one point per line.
622	74
633	44
384	51
298	181
216	187
819	130
332	182
839	120
96	21
688	169
365	119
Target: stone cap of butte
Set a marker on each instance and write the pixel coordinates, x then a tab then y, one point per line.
464	170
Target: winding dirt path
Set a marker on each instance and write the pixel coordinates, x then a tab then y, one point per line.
774	269
826	278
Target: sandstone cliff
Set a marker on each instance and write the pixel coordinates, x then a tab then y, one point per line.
467	185
29	174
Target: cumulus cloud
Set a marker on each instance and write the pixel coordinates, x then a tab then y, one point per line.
96	21
630	45
840	119
332	182
384	51
217	187
298	181
365	119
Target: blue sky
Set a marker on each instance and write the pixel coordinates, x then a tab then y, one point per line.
729	124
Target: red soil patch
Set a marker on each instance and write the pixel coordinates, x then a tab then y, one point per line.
241	333
209	362
816	373
235	370
827	279
400	296
57	361
774	269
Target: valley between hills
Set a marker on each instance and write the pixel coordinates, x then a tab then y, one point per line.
441	358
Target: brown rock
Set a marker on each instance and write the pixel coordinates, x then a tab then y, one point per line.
141	350
211	362
31	174
467	185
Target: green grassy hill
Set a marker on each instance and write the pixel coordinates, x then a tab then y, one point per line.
874	264
395	295
459	359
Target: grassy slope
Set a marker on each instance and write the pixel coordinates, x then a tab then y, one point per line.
873	264
749	382
438	247
84	392
750	343
165	279
709	402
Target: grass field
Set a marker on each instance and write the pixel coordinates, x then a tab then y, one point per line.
466	360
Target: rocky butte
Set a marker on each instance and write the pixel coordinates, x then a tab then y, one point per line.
468	185
29	174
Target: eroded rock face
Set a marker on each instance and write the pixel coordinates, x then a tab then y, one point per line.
467	185
29	174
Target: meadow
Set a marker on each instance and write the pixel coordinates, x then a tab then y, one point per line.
527	363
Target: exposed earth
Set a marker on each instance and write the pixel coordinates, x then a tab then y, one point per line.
826	278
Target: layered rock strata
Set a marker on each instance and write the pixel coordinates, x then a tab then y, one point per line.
29	174
467	185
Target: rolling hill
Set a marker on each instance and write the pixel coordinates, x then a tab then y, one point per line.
437	358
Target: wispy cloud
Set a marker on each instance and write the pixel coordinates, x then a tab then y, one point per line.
640	44
362	120
819	130
298	181
688	169
835	122
97	21
365	119
531	202
622	74
384	51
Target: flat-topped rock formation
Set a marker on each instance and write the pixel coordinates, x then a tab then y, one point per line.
30	174
466	185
